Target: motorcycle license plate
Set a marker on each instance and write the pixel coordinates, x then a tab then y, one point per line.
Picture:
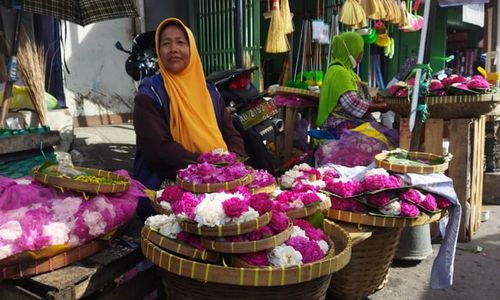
257	114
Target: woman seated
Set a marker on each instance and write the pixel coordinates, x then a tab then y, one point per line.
177	113
345	102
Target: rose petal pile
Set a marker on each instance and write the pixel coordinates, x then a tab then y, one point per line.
307	244
33	216
377	179
218	156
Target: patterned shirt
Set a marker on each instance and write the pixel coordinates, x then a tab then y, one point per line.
353	104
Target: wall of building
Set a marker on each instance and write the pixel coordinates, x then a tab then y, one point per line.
97	83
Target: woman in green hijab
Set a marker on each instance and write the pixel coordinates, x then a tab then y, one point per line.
344	100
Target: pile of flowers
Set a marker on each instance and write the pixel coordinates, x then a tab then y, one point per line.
214	167
307	244
168	226
34	217
300	196
214	209
302	173
262	179
381	192
442	87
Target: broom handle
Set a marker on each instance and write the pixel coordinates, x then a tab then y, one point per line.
276	5
298	52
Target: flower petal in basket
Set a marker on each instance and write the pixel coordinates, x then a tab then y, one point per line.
248	246
254	277
240	263
214	187
12	269
382	221
227	229
307	211
50	176
177	247
411	164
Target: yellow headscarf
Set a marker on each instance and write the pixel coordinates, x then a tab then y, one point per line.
192	116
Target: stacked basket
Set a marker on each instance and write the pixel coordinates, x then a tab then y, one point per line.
214	269
371	258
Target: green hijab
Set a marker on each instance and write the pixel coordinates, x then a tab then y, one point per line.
340	77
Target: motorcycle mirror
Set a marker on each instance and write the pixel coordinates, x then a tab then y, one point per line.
119	46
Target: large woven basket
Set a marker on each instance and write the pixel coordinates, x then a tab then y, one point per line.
450	107
379	221
215	187
12	269
80	186
248	246
228	229
186	279
178	247
381	162
369	266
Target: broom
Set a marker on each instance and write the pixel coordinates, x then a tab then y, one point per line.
276	37
286	17
32	68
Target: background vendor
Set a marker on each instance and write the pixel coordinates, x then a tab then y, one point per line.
177	113
345	102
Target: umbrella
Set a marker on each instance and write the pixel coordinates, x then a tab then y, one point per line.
81	12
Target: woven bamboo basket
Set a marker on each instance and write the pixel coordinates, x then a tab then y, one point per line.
158	208
308	210
228	229
450	107
80	186
381	162
379	221
185	279
301	93
369	265
215	187
248	246
10	268
266	189
178	247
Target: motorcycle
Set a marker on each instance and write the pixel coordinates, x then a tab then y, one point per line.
254	117
142	61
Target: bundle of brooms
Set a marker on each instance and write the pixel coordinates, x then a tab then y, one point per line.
32	68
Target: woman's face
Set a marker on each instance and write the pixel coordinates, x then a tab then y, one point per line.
174	49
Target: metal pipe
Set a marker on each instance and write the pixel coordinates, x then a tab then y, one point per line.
238	33
12	66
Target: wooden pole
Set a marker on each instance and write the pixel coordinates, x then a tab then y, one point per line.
11	66
424	55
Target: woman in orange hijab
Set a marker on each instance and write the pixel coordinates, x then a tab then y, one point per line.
177	113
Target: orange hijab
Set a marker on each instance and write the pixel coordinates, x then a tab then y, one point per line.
192	116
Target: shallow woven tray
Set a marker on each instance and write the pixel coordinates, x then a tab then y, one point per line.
379	221
382	163
214	187
248	246
266	189
369	265
79	186
256	277
308	210
301	93
47	264
228	229
450	107
178	247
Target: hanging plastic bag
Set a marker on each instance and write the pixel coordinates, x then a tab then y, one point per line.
21	98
